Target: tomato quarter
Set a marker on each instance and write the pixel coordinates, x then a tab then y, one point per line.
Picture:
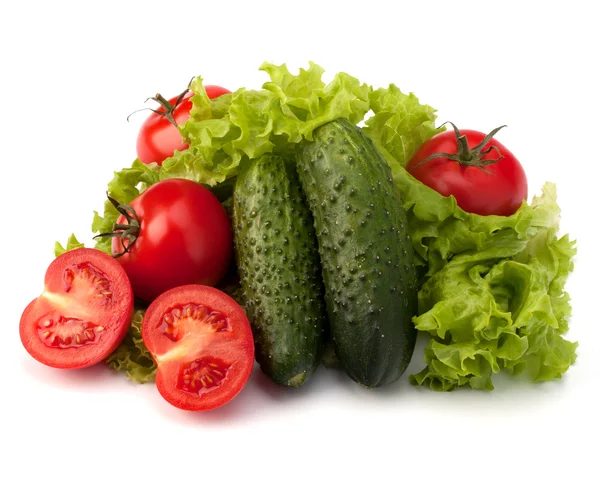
158	138
480	172
184	237
82	315
201	341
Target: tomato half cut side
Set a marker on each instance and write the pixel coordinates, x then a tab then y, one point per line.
201	341
82	315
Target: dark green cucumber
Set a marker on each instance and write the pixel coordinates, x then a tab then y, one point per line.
368	267
278	263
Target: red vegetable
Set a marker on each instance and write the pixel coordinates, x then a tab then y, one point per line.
480	172
159	137
179	233
82	315
201	341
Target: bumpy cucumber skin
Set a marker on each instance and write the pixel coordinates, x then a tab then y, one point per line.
368	266
279	268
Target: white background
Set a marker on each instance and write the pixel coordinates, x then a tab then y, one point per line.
72	72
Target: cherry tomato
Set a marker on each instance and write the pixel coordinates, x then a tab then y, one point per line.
82	315
184	237
480	172
158	138
201	341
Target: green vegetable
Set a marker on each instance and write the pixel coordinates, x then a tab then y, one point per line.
132	356
493	287
125	186
279	268
223	133
499	302
400	124
72	243
368	267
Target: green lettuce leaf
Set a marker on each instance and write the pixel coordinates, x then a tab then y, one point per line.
72	243
125	186
132	356
492	295
225	132
400	124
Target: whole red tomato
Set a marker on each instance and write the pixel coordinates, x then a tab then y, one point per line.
179	234
159	137
480	172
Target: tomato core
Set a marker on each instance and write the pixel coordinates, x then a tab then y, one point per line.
62	332
86	281
180	321
202	375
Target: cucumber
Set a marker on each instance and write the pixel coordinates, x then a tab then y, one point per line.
366	255
278	262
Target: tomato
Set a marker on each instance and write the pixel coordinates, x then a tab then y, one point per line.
158	137
480	172
201	342
82	315
184	237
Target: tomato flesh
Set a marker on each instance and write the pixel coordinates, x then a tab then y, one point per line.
499	191
82	315
201	341
158	138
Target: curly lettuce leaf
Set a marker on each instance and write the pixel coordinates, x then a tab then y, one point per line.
487	315
400	124
224	133
125	186
72	243
132	356
492	296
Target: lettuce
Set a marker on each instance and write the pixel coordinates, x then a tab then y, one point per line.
132	356
125	186
225	132
72	243
492	295
400	124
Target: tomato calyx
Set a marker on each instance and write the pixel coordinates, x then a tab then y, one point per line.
466	156
168	108
129	231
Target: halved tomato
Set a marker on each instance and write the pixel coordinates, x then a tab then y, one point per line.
201	341
82	315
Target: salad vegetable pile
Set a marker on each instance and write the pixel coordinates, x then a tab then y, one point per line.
278	223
